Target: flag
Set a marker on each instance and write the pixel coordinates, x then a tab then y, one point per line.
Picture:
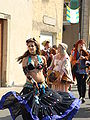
72	15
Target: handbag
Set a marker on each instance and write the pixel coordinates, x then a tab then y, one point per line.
65	79
52	76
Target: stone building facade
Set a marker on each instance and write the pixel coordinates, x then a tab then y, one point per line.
19	20
85	21
48	19
80	30
89	24
15	25
42	19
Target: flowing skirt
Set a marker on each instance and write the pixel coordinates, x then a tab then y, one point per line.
43	105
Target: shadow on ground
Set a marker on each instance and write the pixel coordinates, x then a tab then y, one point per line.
83	113
6	118
9	118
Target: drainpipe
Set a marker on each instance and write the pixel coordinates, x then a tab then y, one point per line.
80	19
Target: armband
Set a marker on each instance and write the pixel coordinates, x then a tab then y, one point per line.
45	71
29	77
25	70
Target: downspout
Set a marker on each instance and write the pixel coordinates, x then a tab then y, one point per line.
83	8
80	19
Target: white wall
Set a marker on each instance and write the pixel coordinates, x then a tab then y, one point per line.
19	28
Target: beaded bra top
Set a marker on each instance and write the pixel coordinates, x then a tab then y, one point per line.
32	66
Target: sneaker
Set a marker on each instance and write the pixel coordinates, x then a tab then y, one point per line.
80	97
83	100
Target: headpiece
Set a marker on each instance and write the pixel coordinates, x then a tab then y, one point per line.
44	42
64	46
31	40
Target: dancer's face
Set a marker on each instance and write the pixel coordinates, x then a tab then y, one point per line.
32	48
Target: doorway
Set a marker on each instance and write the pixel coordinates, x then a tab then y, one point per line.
1	36
44	37
3	51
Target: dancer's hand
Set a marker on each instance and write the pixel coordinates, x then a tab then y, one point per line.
36	84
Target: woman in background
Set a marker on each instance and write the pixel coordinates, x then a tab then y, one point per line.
61	64
78	60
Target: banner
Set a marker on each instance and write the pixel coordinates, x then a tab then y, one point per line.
72	15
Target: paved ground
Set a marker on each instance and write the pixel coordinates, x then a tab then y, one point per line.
84	111
4	114
83	114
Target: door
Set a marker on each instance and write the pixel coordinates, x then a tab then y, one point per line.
1	29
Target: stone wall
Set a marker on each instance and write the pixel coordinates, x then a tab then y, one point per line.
51	9
85	21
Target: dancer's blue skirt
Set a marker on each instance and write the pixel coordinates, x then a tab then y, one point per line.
47	105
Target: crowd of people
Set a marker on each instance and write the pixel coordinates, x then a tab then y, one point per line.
49	75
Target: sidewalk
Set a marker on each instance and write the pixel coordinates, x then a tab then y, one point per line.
84	111
4	90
